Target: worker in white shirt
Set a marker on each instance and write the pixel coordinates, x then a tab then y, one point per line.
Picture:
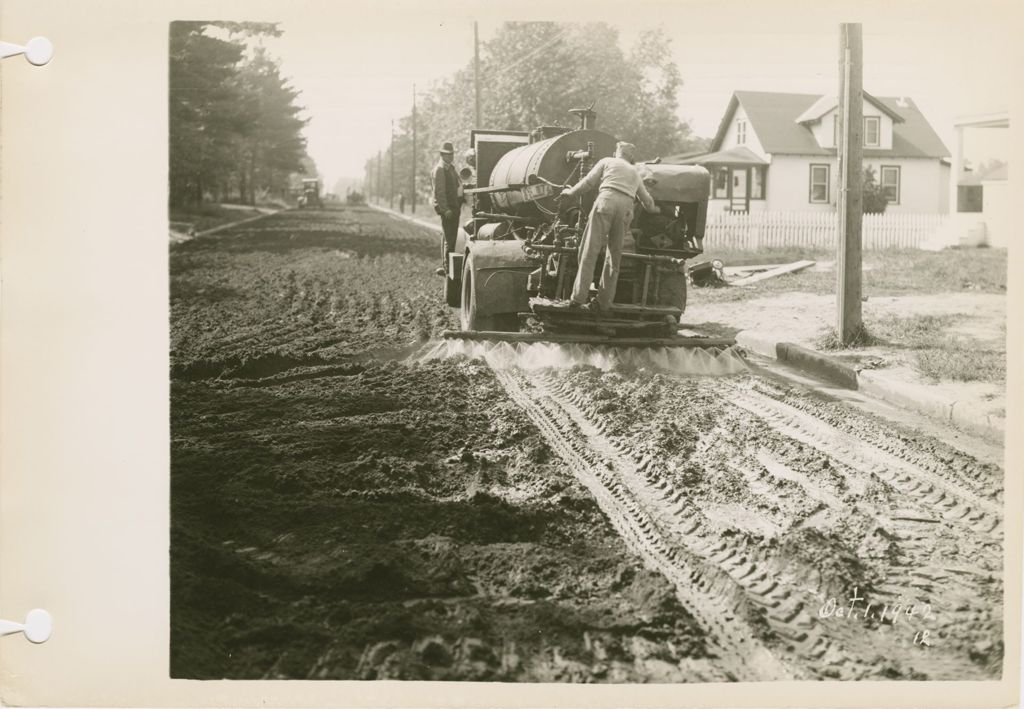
618	184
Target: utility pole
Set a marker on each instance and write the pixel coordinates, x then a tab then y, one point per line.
391	182
413	195
379	193
850	197
476	71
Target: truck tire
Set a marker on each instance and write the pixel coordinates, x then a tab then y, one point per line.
469	317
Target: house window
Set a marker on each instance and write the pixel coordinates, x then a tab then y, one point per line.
871	131
741	132
757	182
721	183
891	183
819	184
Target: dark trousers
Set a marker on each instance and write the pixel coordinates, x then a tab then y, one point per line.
451	231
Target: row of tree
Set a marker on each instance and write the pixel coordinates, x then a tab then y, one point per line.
235	128
532	73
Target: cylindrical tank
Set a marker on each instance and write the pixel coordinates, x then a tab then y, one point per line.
546	158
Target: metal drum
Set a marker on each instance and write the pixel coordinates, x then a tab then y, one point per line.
520	168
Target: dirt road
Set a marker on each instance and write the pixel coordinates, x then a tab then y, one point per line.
341	510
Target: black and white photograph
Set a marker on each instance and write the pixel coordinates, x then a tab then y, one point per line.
669	349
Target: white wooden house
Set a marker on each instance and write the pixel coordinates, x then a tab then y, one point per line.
777	152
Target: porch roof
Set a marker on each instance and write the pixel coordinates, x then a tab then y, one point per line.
740	155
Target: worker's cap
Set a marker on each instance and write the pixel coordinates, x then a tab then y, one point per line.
447	149
626	150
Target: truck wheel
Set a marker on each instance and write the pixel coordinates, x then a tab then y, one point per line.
469	317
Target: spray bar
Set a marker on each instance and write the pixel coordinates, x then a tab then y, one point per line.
494	336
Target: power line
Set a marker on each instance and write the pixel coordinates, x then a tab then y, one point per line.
504	70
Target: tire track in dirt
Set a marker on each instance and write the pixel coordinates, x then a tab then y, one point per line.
936	493
705	590
752	579
787	609
929	496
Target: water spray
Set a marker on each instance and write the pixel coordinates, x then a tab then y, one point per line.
690	361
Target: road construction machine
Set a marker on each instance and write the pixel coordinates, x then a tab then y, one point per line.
517	255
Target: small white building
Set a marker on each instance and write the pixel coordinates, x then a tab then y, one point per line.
968	226
995	201
777	152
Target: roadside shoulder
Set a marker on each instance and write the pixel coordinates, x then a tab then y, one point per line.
407	217
932	400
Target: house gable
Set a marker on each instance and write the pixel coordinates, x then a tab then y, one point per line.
739	131
825	128
773	118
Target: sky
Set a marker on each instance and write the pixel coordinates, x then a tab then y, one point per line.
357	76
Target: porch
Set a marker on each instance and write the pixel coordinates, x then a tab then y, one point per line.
737	179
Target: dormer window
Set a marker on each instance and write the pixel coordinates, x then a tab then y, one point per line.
871	131
741	132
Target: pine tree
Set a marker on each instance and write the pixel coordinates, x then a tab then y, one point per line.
234	120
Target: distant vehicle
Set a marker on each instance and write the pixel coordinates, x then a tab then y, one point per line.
310	196
355	198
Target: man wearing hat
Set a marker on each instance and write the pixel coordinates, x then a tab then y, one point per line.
618	184
447	201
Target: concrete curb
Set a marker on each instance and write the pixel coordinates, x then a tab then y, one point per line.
945	408
800	357
915	397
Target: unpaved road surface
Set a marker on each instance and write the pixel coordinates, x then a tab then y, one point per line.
342	510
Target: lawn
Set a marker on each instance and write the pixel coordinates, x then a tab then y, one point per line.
891	272
935	351
932	310
211	215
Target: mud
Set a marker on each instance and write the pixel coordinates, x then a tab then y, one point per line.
343	510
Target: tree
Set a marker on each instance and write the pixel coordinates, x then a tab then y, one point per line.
272	145
234	124
532	74
874	199
203	116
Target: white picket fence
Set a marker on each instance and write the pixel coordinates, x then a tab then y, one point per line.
816	230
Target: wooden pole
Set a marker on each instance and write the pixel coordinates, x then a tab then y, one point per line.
378	176
849	197
413	186
476	71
